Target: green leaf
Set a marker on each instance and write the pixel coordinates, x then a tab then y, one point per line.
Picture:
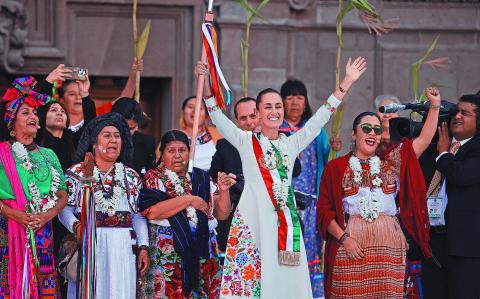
143	40
429	51
262	4
253	12
364	5
415	68
415	76
345	9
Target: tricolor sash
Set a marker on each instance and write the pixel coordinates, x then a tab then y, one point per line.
289	231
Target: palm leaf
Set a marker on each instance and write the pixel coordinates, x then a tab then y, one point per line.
415	68
345	9
439	63
254	12
143	40
364	5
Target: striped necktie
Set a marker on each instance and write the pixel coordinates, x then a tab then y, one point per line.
435	183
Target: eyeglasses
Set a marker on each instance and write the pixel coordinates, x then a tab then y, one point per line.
367	128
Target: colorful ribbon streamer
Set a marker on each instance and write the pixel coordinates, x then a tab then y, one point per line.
217	79
86	287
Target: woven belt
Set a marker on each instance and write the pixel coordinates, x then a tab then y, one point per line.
119	219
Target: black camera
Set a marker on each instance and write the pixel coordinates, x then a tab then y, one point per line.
401	127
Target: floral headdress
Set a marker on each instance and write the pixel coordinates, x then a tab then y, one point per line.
21	92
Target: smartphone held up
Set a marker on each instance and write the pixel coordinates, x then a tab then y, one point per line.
77	73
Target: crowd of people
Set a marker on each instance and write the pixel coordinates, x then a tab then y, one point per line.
262	214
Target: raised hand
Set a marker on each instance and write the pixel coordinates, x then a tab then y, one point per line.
335	143
444	140
201	69
84	86
137	65
59	73
353	70
225	181
433	95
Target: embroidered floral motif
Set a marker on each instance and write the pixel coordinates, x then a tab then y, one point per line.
369	205
242	268
164	278
204	138
131	182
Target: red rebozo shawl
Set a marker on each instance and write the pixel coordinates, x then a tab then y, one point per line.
411	201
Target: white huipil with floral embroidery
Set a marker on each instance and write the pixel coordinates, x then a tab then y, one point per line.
251	266
115	260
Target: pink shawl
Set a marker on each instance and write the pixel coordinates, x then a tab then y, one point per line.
16	232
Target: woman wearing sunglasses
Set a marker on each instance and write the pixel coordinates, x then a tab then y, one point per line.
363	197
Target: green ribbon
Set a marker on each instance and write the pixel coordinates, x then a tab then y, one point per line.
290	202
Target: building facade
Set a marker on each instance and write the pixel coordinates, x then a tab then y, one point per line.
299	40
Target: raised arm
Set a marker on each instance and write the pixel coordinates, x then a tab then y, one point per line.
314	125
129	89
224	125
421	143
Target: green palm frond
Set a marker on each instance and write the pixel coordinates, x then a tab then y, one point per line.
415	69
252	13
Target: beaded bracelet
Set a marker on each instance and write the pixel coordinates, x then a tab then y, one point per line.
2	206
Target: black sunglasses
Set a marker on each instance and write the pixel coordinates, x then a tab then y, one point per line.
367	128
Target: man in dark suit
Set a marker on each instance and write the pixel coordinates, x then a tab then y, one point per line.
227	159
435	270
459	163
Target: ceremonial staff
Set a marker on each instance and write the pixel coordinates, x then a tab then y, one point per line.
217	80
198	95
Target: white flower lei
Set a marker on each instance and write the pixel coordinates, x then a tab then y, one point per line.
109	205
177	183
39	205
369	205
269	155
280	193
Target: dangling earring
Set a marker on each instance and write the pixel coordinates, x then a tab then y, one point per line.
353	146
12	134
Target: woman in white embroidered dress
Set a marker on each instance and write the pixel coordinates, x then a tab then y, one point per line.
116	188
265	252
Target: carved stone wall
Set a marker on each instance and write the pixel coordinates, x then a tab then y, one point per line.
298	41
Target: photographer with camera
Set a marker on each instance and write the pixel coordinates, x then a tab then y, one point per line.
428	130
456	183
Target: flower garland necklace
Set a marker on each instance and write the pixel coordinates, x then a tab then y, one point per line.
369	205
280	193
109	205
180	190
39	205
269	158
